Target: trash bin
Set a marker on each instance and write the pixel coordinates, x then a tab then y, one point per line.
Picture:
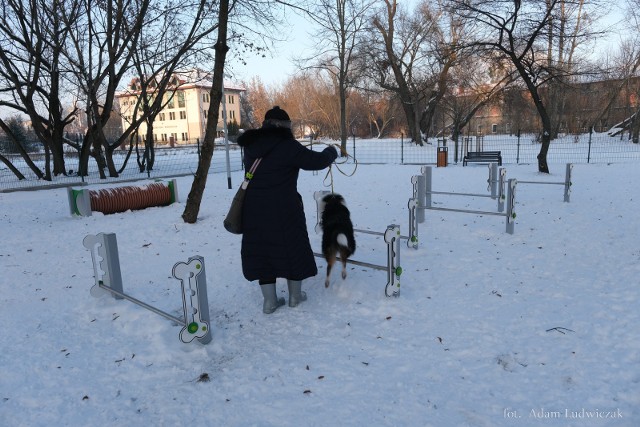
441	159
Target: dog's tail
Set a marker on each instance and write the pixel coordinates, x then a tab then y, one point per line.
343	241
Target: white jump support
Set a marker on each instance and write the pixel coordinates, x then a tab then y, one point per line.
108	278
567	182
497	180
413	207
391	237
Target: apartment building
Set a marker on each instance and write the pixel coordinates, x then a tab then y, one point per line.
184	116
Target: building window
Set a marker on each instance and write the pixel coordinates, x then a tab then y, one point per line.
183	115
206	112
172	115
161	116
170	103
231	99
494	128
205	97
180	99
164	137
174	136
184	136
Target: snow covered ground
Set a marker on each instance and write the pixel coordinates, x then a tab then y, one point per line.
538	328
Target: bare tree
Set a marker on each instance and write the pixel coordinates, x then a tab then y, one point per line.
260	100
192	207
381	114
239	23
623	69
474	83
32	37
312	102
102	40
522	33
412	57
570	28
340	24
172	45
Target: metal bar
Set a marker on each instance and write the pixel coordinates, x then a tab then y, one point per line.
143	304
466	211
375	233
360	263
540	182
446	193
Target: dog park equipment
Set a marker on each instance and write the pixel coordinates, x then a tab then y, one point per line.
120	199
567	182
195	304
414	207
496	181
391	237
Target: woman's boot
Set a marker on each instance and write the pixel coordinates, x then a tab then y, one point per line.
296	296
271	300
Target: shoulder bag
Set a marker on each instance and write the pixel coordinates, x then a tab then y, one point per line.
233	220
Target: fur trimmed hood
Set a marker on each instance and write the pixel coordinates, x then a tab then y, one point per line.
267	136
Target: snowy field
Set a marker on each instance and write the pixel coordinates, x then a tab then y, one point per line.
538	328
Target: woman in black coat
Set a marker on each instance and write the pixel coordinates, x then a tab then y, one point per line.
275	241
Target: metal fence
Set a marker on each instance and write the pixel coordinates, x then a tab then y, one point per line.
594	148
183	160
169	162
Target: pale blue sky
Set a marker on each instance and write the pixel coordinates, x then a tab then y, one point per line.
278	65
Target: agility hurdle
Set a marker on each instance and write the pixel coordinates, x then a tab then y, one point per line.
414	207
567	182
496	185
391	237
195	304
120	199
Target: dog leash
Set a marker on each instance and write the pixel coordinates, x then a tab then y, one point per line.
346	157
329	174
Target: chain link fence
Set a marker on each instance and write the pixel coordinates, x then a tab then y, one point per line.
168	162
523	149
183	160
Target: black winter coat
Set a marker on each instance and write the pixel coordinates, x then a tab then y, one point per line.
275	241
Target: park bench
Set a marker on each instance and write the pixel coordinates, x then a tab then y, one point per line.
482	157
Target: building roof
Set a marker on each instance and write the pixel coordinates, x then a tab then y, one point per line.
194	78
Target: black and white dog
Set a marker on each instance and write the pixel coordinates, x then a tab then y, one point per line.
337	233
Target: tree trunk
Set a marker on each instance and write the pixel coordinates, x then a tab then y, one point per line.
192	207
22	151
47	163
147	161
343	113
543	166
57	151
635	129
13	169
545	138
